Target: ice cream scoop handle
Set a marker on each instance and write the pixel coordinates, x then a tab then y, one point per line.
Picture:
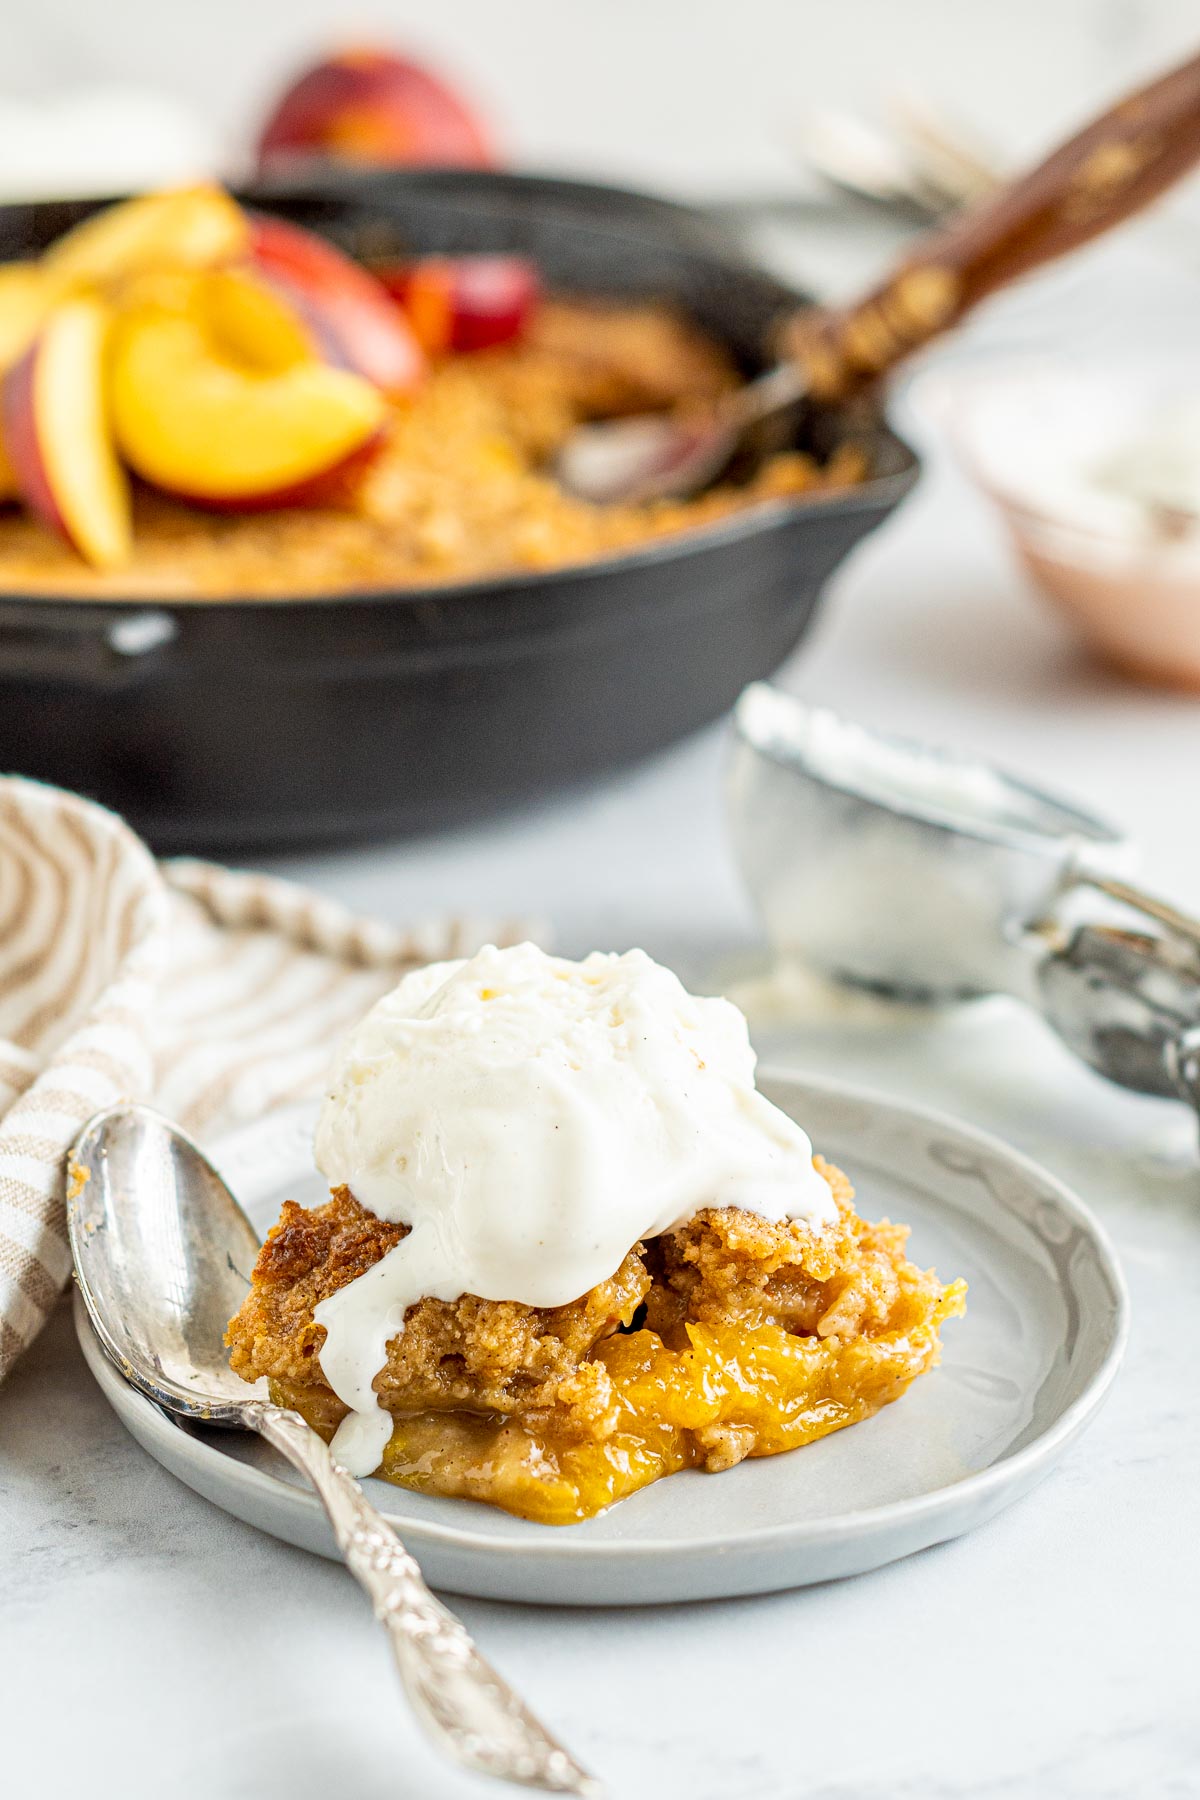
1125	992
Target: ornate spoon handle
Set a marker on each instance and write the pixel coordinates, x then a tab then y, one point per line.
469	1712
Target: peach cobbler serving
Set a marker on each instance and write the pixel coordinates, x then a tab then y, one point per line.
570	1248
201	402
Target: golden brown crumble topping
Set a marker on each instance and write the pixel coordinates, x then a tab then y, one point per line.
730	1337
459	489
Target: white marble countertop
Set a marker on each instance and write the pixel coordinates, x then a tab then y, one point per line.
151	1647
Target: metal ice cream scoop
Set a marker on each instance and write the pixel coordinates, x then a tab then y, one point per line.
901	868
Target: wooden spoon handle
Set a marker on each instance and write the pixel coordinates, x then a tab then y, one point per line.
1109	170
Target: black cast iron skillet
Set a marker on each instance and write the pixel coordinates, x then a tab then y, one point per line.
236	724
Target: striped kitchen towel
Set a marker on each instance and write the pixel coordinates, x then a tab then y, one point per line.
218	995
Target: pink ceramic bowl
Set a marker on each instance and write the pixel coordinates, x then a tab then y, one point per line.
1034	434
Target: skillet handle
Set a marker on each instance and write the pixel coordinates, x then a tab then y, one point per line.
76	643
1107	172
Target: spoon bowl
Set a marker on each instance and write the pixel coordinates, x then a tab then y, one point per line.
163	1254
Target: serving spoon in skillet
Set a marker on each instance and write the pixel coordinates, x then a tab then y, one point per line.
163	1254
1107	172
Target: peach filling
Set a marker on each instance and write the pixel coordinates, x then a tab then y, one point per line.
732	1391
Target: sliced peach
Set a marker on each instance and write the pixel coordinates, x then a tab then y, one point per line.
211	429
57	435
354	316
25	297
182	228
464	303
24	301
370	106
256	322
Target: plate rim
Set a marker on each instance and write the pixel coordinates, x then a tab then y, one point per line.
979	1486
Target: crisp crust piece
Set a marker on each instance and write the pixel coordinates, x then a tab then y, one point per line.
487	1356
727	1266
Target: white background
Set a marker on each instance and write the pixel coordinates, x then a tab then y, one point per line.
692	90
149	1646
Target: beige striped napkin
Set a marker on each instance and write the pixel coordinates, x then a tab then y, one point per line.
218	995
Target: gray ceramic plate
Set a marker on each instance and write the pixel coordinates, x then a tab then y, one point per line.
1022	1374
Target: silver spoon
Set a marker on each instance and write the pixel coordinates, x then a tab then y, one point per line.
163	1255
658	456
1107	172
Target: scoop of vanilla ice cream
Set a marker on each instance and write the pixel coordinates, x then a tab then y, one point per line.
531	1119
543	1115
